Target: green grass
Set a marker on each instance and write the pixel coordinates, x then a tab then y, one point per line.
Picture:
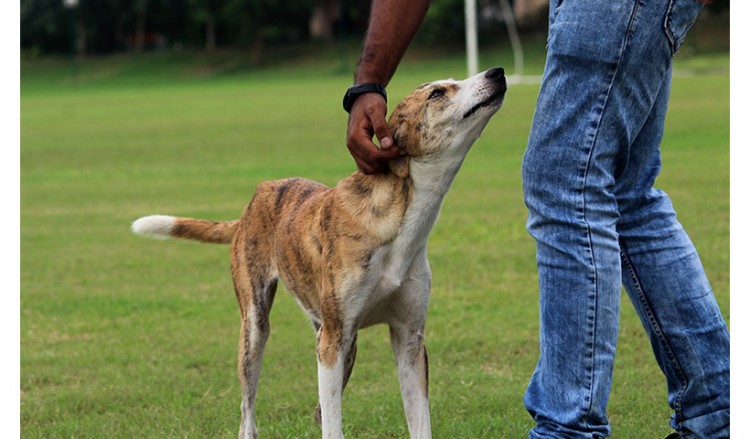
127	337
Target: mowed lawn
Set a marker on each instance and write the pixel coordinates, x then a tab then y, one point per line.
127	337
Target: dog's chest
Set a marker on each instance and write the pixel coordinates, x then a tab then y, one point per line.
381	288
365	295
329	258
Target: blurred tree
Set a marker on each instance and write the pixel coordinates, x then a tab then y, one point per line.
141	8
719	5
205	13
255	22
105	26
43	26
444	22
323	19
97	26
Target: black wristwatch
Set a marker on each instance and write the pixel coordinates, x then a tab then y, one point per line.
358	90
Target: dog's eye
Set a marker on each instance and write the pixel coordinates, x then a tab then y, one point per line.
436	93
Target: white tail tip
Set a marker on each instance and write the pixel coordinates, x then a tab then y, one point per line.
154	226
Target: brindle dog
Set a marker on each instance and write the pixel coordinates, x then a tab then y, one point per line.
353	255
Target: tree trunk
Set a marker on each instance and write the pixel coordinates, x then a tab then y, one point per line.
80	37
140	33
120	36
140	26
257	49
210	34
323	18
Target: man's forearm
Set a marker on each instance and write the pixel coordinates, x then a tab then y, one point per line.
393	24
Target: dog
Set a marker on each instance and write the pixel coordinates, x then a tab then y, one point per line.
354	255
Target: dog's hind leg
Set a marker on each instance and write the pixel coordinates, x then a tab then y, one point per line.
253	336
255	287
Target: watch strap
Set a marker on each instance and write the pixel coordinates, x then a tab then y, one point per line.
356	91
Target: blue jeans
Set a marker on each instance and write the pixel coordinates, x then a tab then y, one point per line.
598	222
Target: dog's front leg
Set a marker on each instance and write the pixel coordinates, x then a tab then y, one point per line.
333	346
409	314
408	346
351	355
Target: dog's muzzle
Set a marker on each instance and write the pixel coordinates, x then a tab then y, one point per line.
496	77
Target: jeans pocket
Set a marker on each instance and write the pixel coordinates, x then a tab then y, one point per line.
681	15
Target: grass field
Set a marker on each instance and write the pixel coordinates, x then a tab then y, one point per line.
127	337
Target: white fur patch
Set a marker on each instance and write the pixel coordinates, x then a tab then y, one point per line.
154	226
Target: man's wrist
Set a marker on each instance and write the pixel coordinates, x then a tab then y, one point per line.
358	90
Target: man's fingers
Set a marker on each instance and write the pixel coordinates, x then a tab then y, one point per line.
361	147
367	117
365	153
380	126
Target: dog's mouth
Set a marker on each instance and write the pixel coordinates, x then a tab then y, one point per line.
493	100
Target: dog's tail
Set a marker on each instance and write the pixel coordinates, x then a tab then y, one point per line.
164	227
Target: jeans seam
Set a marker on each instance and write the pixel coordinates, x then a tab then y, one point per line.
587	167
632	17
656	327
667	30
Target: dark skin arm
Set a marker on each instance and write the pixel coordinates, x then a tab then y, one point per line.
393	24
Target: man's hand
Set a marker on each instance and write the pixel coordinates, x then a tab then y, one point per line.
366	119
393	24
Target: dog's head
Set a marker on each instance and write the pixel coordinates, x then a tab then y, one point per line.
444	118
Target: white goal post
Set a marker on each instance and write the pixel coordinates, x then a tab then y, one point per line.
472	50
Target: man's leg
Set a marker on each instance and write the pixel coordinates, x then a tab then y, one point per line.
668	287
606	66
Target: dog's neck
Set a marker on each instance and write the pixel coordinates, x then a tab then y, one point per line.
378	202
432	180
400	208
399	212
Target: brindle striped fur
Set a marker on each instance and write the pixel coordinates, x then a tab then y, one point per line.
353	255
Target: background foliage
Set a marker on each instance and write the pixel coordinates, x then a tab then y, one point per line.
107	26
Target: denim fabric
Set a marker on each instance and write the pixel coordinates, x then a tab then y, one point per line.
588	174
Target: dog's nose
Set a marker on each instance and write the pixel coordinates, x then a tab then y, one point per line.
495	73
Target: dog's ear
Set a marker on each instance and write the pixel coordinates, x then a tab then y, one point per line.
400	166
